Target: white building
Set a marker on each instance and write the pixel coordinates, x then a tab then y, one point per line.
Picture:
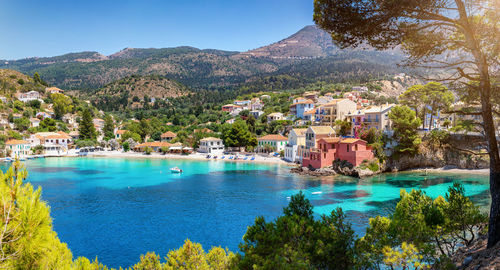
274	117
29	96
277	142
35	122
296	144
211	145
18	148
256	113
54	143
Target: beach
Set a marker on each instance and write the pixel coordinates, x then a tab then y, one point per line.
193	156
447	169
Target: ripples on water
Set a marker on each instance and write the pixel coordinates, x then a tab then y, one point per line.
117	209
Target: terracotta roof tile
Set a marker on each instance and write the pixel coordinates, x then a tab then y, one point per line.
273	137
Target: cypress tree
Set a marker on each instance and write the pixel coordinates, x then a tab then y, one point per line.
87	129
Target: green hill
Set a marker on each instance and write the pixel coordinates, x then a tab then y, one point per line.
136	91
308	55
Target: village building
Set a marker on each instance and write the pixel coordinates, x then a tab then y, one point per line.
313	95
4	122
167	136
28	96
154	146
275	142
53	90
211	145
18	148
98	123
34	122
330	149
378	117
244	104
231	108
295	146
43	115
75	135
315	133
337	109
54	143
256	113
298	108
256	105
274	117
360	88
119	133
356	118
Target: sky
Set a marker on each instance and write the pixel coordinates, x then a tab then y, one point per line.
31	28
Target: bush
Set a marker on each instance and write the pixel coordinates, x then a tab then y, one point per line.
126	146
148	150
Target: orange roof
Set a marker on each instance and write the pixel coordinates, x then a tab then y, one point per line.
273	137
14	142
53	89
331	139
168	134
153	144
313	111
350	140
120	131
303	102
231	105
60	136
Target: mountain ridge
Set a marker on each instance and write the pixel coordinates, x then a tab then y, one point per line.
209	68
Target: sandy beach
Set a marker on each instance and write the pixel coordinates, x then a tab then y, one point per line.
452	170
193	156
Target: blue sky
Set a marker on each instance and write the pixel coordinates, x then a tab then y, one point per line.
52	27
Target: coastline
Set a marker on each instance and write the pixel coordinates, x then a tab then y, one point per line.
446	169
194	156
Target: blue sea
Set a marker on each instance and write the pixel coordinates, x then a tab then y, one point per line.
117	209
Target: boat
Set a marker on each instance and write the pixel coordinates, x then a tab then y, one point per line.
175	170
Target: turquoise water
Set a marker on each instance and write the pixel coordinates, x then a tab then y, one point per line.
117	209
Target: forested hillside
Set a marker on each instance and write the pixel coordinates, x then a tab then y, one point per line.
311	58
136	91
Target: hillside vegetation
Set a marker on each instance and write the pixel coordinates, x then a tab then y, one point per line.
135	91
306	56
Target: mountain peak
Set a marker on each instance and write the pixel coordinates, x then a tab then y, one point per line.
308	42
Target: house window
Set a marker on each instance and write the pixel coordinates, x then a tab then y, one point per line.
356	147
347	148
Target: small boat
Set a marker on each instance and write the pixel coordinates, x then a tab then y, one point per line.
208	156
245	158
317	192
253	158
215	157
175	170
223	157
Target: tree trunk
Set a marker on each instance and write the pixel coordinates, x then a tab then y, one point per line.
432	118
489	131
488	124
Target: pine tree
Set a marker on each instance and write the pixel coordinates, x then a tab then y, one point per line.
109	127
87	129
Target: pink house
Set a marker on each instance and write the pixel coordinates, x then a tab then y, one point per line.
329	149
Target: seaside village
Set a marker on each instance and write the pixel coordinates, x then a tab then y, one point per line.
310	135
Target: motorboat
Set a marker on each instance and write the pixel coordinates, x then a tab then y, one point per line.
175	170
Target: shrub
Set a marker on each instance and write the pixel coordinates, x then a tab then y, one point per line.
148	150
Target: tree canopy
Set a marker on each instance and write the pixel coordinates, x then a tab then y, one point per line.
460	37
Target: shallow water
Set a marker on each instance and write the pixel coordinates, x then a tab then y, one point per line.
117	209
